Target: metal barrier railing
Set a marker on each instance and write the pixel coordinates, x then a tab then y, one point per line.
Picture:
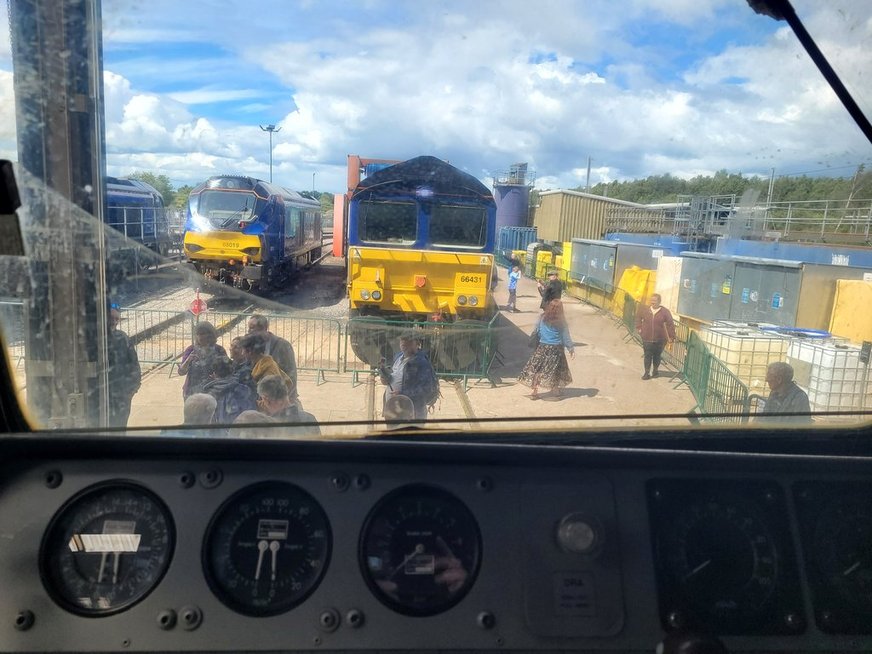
317	342
160	337
463	349
714	386
716	389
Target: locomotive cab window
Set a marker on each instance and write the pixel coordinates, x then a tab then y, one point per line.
388	222
223	208
458	225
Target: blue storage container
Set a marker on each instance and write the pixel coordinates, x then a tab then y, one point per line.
514	238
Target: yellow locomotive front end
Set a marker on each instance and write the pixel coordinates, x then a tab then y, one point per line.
422	284
221	254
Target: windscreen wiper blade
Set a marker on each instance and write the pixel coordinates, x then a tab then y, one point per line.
783	10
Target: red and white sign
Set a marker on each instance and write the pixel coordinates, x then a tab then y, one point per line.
199	306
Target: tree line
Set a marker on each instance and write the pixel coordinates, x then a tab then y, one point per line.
666	188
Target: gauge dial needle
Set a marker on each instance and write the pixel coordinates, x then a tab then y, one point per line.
274	548
698	568
851	569
419	548
261	548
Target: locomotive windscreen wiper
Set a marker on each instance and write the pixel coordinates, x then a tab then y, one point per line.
234	216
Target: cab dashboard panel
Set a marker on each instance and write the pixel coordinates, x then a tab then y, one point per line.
134	545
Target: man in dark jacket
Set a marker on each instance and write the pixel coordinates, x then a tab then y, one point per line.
232	397
276	347
412	375
553	290
125	375
784	396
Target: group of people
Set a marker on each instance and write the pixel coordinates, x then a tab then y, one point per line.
256	382
548	367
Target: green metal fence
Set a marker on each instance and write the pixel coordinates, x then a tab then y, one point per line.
716	389
714	386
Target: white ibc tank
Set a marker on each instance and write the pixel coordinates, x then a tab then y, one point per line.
832	373
746	351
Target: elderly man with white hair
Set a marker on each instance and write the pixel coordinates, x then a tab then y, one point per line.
200	409
785	396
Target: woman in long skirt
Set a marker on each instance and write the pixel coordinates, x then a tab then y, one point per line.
548	366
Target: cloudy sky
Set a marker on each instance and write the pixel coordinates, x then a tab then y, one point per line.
642	87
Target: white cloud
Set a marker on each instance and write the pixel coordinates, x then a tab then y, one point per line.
480	87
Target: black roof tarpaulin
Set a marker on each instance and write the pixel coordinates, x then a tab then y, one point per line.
428	172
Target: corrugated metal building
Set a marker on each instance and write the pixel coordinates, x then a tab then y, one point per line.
565	215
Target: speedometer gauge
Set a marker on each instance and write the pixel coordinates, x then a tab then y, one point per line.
420	550
724	563
106	549
266	549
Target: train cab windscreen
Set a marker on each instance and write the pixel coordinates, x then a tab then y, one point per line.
458	225
225	209
436	326
389	221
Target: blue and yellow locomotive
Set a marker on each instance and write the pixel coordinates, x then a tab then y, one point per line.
420	243
250	234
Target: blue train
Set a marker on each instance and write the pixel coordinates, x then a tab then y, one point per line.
136	209
250	234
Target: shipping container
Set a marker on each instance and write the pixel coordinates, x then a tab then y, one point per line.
567	215
706	286
593	263
641	256
514	238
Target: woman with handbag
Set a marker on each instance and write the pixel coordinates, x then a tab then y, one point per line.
548	366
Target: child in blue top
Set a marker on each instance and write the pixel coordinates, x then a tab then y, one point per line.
514	276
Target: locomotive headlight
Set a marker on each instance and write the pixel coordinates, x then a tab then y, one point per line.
364	294
473	301
461	300
376	295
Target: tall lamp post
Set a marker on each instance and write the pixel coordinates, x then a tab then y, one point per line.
270	129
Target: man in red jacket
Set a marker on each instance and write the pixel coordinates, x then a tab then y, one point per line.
656	327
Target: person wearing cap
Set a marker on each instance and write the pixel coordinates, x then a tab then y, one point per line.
553	290
412	375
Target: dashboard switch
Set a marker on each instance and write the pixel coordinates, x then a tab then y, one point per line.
579	534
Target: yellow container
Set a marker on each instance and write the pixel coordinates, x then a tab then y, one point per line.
558	262
567	256
544	262
638	283
851	317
